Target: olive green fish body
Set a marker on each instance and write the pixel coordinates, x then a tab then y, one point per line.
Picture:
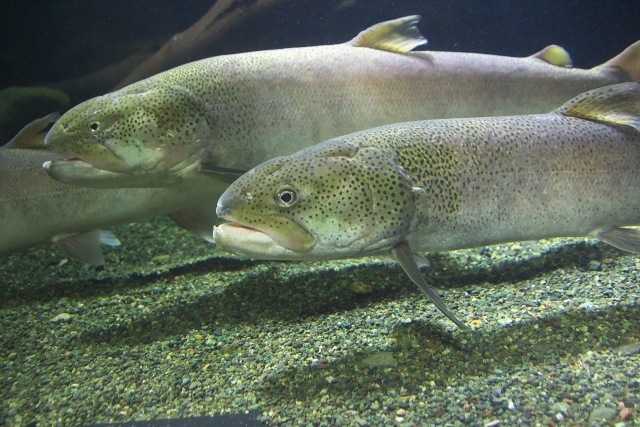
454	183
273	103
447	184
36	209
496	180
233	112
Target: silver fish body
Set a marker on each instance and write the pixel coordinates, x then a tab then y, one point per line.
448	184
36	209
229	113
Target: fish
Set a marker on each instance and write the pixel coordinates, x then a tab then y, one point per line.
428	186
36	209
223	115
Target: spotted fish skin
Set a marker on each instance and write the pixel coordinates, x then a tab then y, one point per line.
236	111
448	184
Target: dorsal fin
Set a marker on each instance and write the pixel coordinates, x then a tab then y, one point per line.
628	61
27	137
554	55
399	35
617	104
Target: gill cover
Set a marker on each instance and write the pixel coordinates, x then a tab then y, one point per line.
345	199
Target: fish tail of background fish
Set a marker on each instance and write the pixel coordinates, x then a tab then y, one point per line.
628	61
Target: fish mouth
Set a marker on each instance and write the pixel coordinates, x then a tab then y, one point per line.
88	153
75	171
291	242
72	162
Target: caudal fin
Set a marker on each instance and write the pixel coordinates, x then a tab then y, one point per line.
628	61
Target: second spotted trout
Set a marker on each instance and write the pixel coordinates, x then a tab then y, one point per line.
447	184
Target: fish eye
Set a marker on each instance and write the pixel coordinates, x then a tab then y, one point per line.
286	197
94	126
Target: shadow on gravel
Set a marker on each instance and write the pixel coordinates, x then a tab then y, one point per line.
262	293
424	353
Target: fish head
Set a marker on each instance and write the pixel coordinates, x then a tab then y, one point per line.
145	129
332	200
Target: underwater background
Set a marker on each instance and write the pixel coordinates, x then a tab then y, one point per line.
58	43
172	327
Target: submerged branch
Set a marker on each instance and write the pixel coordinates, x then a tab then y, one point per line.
100	81
206	31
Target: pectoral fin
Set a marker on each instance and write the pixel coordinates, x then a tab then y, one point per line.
199	219
624	238
403	254
420	261
109	239
85	247
399	35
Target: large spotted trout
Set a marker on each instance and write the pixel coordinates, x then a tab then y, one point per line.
447	184
226	114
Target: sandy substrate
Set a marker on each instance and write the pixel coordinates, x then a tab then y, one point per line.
174	328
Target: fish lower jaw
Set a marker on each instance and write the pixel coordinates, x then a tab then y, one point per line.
250	242
77	172
240	239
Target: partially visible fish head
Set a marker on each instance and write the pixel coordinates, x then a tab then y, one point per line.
332	200
144	130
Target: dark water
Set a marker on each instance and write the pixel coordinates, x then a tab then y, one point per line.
48	41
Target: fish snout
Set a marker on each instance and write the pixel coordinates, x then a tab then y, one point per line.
225	205
231	200
55	134
222	211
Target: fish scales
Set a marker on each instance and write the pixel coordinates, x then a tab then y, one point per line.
226	114
447	184
491	180
258	104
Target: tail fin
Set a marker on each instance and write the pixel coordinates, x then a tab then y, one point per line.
617	104
26	138
628	61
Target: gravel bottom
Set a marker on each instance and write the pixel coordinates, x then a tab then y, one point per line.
173	327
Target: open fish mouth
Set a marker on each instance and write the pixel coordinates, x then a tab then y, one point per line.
52	166
235	232
75	171
251	242
240	239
